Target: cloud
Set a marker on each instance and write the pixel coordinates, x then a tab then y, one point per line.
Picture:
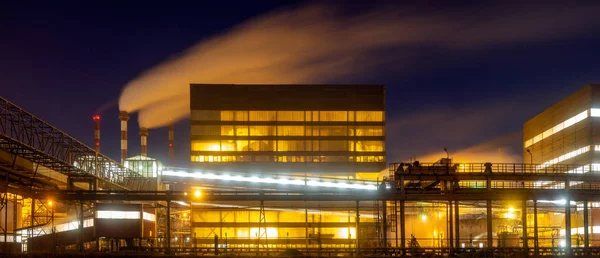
324	43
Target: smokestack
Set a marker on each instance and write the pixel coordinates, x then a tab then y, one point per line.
97	133
171	143
124	117
144	137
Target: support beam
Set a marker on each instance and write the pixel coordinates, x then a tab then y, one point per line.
357	228
524	224
384	226
168	227
489	224
568	226
586	224
457	223
450	226
402	226
81	249
536	243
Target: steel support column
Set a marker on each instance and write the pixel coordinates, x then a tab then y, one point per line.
586	224
402	226
358	228
168	237
524	224
536	243
568	226
384	226
450	226
457	223
489	223
81	249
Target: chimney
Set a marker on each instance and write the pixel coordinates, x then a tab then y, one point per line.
144	137
97	133
124	117
171	142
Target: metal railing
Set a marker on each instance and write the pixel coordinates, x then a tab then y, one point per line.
27	136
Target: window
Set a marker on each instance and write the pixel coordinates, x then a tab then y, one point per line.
370	159
312	130
204	115
228	145
241	130
262	130
333	145
262	115
333	130
290	146
205	130
227	130
206	146
369	116
369	131
333	116
118	214
234	115
290	130
290	115
227	116
369	146
260	145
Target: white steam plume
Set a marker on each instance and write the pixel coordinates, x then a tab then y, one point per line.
318	43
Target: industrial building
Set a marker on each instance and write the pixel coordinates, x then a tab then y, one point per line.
321	130
566	133
248	192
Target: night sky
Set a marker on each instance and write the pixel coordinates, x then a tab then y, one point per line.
465	89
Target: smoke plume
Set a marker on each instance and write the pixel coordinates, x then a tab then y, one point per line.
318	43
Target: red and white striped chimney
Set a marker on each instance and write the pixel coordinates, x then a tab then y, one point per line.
144	138
124	117
97	133
171	144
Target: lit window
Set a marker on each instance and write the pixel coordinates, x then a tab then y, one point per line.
557	128
205	130
290	145
241	130
227	130
260	233
118	214
262	115
369	146
149	216
333	116
290	130
369	116
369	131
290	115
564	157
206	146
262	130
595	112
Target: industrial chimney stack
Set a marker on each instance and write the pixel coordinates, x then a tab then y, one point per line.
124	117
171	143
97	133
144	137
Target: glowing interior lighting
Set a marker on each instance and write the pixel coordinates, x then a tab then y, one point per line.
424	217
564	157
560	126
118	214
273	180
480	245
511	209
197	193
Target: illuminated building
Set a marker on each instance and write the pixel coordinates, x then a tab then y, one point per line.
566	133
334	130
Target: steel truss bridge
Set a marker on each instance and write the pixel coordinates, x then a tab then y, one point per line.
31	149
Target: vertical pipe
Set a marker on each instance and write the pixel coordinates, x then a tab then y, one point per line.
536	243
81	227
524	222
171	144
568	226
124	117
489	223
396	219
457	224
586	233
143	141
384	226
97	133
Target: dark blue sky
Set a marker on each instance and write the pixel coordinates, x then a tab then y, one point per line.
64	63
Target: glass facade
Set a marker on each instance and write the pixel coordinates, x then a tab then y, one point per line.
288	136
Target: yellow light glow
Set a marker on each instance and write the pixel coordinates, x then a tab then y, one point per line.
214	147
197	193
511	209
50	203
423	217
271	233
435	233
344	233
509	215
184	214
185	193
